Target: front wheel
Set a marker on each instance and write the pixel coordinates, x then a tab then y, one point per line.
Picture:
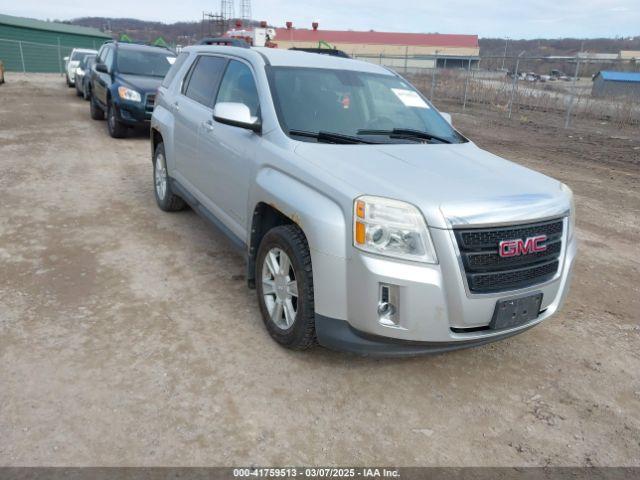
285	287
116	128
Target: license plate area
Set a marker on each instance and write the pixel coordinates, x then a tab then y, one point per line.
516	311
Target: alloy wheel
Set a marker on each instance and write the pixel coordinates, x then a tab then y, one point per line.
280	288
161	176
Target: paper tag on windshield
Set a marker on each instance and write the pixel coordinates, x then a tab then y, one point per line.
171	60
410	98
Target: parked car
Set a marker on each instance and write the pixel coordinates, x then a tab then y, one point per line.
72	62
368	222
531	77
123	84
86	79
81	72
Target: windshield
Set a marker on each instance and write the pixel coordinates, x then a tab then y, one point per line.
85	61
76	56
374	107
138	62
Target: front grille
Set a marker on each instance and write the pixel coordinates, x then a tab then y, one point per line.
487	271
149	104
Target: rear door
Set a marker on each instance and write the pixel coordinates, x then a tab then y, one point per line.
103	80
192	111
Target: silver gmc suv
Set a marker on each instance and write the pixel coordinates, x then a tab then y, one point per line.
369	224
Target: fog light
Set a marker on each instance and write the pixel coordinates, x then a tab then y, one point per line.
388	302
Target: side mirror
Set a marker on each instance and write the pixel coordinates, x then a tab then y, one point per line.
236	115
447	117
101	67
66	59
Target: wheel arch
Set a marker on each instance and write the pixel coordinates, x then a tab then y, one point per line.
156	139
323	223
265	217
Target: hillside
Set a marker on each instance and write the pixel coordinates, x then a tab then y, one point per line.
184	33
557	47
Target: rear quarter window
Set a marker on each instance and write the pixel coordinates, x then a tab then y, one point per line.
175	68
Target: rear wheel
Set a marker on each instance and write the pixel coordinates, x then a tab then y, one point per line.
78	92
165	198
96	112
116	128
285	287
86	92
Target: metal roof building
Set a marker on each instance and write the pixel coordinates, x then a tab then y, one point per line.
396	50
616	84
36	46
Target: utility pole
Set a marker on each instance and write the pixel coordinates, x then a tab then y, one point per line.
466	86
515	84
567	120
506	42
245	12
433	77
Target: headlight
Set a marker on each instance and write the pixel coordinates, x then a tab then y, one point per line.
79	71
391	228
572	212
128	94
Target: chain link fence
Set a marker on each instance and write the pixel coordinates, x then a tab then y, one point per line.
512	85
21	56
519	84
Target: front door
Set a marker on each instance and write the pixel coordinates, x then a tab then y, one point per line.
226	153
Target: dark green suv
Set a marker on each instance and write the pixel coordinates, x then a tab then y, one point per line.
123	83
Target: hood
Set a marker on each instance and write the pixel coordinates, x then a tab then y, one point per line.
141	83
453	184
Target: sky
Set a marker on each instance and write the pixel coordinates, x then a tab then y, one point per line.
487	18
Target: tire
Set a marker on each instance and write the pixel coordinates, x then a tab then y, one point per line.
78	92
297	333
116	128
96	112
86	92
69	84
166	199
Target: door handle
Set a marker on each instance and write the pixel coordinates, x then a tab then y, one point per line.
208	125
176	106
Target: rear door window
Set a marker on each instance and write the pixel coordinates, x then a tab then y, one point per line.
173	71
204	79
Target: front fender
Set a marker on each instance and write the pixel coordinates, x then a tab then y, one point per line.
323	222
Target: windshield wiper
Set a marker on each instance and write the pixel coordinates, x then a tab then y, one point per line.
330	137
404	133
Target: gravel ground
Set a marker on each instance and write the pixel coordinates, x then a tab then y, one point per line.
128	336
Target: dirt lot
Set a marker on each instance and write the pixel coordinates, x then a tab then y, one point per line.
128	337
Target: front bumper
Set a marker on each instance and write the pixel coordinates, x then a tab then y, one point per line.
135	113
436	312
339	335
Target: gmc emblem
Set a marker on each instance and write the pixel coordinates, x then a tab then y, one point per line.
514	248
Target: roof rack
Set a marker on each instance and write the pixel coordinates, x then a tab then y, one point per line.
323	51
231	42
